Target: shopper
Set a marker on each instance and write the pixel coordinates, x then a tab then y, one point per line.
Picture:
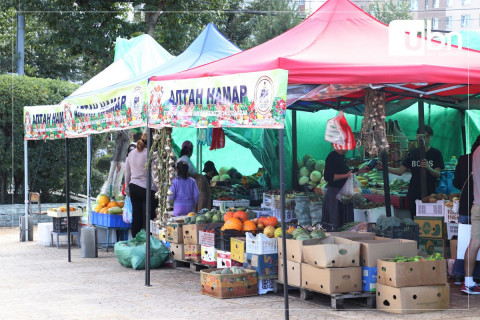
204	193
469	286
185	154
463	181
433	163
136	180
336	174
184	191
210	170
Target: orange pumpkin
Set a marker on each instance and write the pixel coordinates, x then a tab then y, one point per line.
112	204
233	224
270	221
260	225
290	229
262	220
242	215
228	216
249	226
255	220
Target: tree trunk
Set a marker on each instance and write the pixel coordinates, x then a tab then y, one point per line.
151	18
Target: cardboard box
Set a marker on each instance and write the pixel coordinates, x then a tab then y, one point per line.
208	255
413	299
175	233
266	265
411	274
190	232
224	260
192	252
453	249
333	252
229	285
177	251
294	248
294	273
369	279
431	227
237	248
331	280
429	246
381	248
353	235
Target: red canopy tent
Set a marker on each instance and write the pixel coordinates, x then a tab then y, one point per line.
341	44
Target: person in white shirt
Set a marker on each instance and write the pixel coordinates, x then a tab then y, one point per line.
185	154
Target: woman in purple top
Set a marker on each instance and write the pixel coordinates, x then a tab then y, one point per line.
184	191
136	182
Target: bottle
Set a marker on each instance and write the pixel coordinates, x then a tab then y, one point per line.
453	162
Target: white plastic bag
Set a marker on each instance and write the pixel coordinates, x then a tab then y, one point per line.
333	133
127	210
347	189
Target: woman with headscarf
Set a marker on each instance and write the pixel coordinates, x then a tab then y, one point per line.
185	154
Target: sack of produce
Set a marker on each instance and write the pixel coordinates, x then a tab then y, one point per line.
131	253
302	210
315	212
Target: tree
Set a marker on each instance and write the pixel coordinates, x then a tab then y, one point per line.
387	11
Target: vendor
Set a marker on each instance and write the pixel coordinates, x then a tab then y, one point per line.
185	154
210	170
433	163
336	174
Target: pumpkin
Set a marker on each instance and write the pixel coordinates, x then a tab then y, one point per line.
290	229
112	204
260	225
262	220
228	216
242	215
191	214
233	224
120	204
269	231
98	208
270	221
249	226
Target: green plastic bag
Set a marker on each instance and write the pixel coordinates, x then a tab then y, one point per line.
131	254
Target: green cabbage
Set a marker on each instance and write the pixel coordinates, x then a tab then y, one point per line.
315	176
304	172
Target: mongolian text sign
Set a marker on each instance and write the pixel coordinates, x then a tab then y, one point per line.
248	100
43	122
117	109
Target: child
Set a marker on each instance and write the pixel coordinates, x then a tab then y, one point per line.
184	191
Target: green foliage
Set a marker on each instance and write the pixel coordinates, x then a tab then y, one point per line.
103	163
387	11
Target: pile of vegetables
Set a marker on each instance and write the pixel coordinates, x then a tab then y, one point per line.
433	257
384	223
433	198
311	172
300	233
232	270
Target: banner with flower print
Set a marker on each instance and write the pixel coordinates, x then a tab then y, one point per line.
246	100
43	122
119	109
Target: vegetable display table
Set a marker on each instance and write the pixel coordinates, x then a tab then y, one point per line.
121	233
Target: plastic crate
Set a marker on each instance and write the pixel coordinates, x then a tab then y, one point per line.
452	230
265	285
109	220
60	224
410	232
257	193
223	238
262	211
260	244
430	209
289	215
451	213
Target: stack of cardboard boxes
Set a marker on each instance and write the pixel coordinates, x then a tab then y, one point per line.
412	287
174	235
432	236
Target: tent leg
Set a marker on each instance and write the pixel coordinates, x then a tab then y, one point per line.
421	148
294	150
148	209
281	150
67	193
89	173
25	160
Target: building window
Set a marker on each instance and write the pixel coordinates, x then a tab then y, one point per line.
414	5
434	23
436	3
426	4
449	3
448	22
465	20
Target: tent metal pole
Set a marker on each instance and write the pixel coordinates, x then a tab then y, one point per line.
386	186
89	173
421	148
148	209
464	133
25	160
294	150
67	193
281	150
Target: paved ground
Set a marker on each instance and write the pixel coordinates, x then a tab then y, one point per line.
37	282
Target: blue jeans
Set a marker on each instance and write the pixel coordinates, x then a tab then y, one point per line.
464	219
